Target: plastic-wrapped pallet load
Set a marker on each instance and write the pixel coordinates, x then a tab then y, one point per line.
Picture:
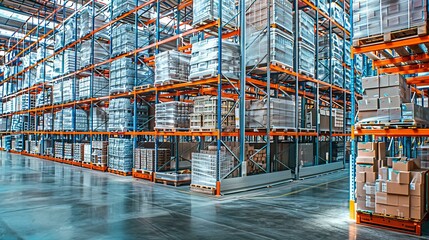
78	152
58	149
124	39
29	59
44	98
172	115
70	85
306	59
119	7
144	159
423	156
123	75
44	72
100	87
206	107
70	31
42	51
29	78
282	114
28	101
306	28
205	59
281	48
120	115
120	154
204	165
256	15
99	152
81	120
59	39
68	150
171	66
205	11
69	60
86	19
87	153
336	70
99	119
101	53
58	121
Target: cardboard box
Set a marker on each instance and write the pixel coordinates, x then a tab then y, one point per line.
395	113
371	177
403	201
368	104
381	147
396	188
383	173
416	212
366	160
403	165
390	161
378	185
368	154
362	203
390	102
360	189
381	197
403	212
370	82
417	175
384	186
367	146
360	177
371	93
416	201
382	163
401	177
370	201
370	188
383	114
384	81
366	168
396	80
366	116
416	189
381	208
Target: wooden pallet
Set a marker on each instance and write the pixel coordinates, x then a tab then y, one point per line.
171	129
273	129
143	174
411	226
392	36
203	189
262	67
169	82
99	167
305	73
86	165
172	182
117	172
388	125
146	86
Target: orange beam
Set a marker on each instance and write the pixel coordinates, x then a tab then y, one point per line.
420	80
406	132
409	69
390	45
396	60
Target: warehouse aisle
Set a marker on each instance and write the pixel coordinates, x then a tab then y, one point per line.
46	200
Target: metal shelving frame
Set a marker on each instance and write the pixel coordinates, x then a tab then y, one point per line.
321	94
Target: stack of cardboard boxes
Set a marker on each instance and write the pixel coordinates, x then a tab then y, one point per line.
394	186
370	156
383	98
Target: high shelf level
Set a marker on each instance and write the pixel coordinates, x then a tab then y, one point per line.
184	92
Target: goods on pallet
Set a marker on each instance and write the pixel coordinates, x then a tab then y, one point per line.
46	122
171	66
281	48
336	70
29	59
99	152
120	154
120	115
27	101
70	61
389	186
70	31
123	76
44	72
321	4
306	28
172	115
44	97
119	7
99	119
282	114
144	159
78	152
205	117
372	17
100	87
204	166
87	153
58	121
3	124
42	51
336	115
80	120
124	39
205	59
58	149
383	98
205	11
423	156
29	78
68	150
89	55
306	59
90	15
280	15
21	123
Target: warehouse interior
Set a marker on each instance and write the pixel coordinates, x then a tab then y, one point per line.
180	119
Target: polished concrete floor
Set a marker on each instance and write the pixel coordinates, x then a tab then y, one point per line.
46	200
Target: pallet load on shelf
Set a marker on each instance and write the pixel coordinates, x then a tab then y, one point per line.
87	153
423	156
204	117
99	119
101	53
29	78
373	18
336	60
70	85
100	87
204	165
144	159
58	121
206	11
205	59
80	118
21	123
282	114
45	122
59	39
173	115
69	60
124	39
383	99
120	115
88	15
27	101
99	152
44	72
58	149
120	154
29	59
123	75
280	30
336	114
70	31
42	51
119	7
68	151
4	124
78	152
171	67
306	44
369	157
